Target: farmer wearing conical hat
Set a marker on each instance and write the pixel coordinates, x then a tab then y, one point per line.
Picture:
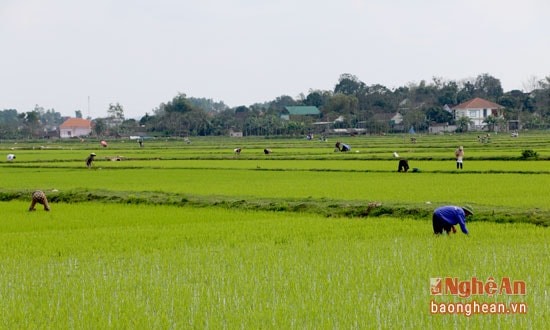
90	160
446	217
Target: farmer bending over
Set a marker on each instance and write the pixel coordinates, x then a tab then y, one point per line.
39	197
446	217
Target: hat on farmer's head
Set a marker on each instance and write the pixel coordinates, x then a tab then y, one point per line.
468	209
92	154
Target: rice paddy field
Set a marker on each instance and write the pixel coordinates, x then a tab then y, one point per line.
193	236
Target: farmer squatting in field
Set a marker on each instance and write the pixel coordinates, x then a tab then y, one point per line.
339	146
446	217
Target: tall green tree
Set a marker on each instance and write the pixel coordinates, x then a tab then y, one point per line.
51	118
423	93
280	102
207	105
377	98
342	104
448	93
466	92
178	104
99	127
438	115
491	122
31	124
415	118
463	123
349	84
487	86
315	98
9	122
170	117
116	111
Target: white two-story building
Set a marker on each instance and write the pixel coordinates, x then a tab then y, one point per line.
477	109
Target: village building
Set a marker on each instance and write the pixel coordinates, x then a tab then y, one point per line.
439	128
392	121
234	133
477	110
75	127
300	111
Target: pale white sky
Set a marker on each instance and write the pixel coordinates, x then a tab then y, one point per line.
139	53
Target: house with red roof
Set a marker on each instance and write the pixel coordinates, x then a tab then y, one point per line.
75	127
477	109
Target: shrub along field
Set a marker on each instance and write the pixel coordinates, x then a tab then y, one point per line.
178	235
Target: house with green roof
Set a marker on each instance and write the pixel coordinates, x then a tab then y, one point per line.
300	111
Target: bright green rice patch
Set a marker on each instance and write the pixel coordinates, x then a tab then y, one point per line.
491	190
169	161
207	172
119	266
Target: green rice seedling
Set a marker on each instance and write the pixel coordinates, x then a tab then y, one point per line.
128	266
499	189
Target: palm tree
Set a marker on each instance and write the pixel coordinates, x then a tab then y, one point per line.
463	123
491	121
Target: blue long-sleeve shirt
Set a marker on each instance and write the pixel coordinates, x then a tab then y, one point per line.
452	215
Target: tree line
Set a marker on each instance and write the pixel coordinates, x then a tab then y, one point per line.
350	104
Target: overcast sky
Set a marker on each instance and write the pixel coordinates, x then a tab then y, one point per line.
72	55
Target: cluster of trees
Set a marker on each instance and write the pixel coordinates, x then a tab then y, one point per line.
32	124
42	123
354	103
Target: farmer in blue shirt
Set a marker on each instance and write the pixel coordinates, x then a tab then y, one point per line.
446	217
345	147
